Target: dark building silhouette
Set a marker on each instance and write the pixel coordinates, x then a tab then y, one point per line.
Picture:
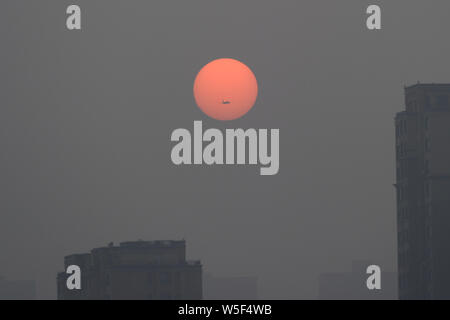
423	192
353	285
17	289
141	270
230	288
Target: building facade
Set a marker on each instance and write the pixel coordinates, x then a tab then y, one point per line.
140	270
423	192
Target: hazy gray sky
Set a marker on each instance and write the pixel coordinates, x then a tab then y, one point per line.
86	118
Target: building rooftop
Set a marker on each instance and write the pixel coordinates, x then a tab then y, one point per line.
419	85
141	244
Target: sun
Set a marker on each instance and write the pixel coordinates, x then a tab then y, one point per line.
225	89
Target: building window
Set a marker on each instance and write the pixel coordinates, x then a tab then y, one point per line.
442	101
166	296
150	279
165	278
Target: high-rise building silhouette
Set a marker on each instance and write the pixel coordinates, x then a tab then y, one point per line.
423	192
141	270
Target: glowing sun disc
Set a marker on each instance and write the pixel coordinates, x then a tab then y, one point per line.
225	89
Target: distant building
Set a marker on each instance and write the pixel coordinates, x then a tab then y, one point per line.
230	288
141	270
353	285
423	192
17	289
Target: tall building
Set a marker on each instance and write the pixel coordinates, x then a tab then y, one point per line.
423	192
17	289
352	285
141	270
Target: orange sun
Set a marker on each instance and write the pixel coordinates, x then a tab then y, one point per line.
225	89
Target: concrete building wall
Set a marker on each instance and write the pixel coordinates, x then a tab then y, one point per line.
423	190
